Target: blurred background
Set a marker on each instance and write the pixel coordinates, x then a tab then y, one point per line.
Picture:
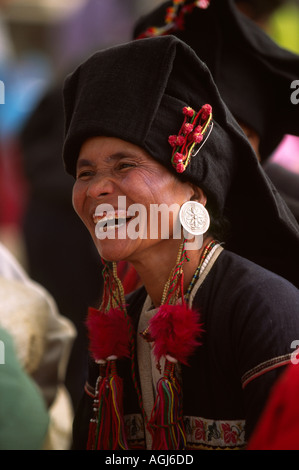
41	41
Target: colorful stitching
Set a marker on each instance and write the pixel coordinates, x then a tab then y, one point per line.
265	367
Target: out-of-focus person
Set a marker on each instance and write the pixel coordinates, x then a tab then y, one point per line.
43	339
24	418
254	74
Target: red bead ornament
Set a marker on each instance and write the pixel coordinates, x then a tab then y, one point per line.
192	132
206	111
180	168
170	14
174	18
178	158
203	4
180	140
187	128
172	139
188	111
197	137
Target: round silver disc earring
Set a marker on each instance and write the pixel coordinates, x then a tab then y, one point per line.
194	218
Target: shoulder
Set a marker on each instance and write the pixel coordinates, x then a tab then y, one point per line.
252	278
236	284
266	320
255	294
253	310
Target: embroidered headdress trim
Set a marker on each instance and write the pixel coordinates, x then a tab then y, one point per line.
175	17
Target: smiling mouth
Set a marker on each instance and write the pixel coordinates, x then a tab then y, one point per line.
111	220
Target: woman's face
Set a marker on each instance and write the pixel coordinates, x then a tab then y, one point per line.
118	189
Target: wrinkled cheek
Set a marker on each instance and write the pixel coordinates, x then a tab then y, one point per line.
78	198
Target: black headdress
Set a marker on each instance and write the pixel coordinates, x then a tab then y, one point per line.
139	92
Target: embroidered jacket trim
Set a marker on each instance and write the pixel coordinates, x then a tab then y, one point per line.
264	367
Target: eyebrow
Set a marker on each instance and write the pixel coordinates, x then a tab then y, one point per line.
83	162
115	156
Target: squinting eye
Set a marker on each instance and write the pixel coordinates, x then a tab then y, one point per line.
84	174
124	165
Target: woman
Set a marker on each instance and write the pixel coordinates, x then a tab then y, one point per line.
186	361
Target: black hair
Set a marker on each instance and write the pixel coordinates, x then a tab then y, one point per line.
219	224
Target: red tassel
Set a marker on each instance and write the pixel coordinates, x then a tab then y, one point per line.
166	424
109	338
106	428
175	331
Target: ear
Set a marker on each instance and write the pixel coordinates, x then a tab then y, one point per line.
198	195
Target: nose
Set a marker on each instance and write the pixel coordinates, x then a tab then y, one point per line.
100	186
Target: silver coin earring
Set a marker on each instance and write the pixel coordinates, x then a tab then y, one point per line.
194	218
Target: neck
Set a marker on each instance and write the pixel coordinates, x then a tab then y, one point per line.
154	269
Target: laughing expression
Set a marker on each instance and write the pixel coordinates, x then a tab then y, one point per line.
109	170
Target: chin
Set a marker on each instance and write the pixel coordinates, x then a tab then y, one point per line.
114	250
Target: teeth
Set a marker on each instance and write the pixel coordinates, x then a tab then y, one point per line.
111	220
110	226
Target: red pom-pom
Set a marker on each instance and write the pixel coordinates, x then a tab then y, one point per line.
180	140
108	333
188	111
197	137
175	331
198	129
180	168
178	158
206	111
187	128
172	139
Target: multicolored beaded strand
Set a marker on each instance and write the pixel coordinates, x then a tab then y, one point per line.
204	259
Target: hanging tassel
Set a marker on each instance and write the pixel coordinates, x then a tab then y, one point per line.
166	424
106	428
110	333
93	423
174	331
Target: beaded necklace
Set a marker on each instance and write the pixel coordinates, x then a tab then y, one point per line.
174	331
166	421
203	262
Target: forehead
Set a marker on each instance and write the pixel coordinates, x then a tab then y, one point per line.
109	149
